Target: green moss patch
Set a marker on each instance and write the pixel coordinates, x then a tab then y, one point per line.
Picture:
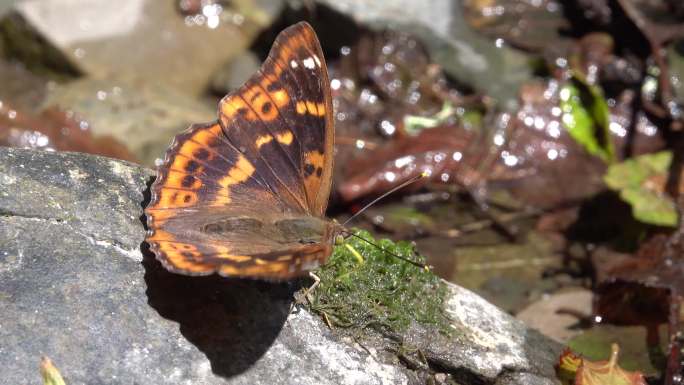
363	286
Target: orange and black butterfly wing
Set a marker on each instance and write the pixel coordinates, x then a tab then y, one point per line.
205	181
202	173
284	113
254	164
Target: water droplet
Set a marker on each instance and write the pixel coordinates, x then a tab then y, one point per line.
213	21
561	62
553	129
404	160
387	128
552	154
617	129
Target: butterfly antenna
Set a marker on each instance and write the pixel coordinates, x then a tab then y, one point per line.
416	178
414	263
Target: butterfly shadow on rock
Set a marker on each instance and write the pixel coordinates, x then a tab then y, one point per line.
232	321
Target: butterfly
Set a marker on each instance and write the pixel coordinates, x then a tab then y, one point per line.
245	195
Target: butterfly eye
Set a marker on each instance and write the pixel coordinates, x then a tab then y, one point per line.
339	239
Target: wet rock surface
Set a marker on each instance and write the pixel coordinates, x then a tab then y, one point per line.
464	55
144	118
78	285
147	41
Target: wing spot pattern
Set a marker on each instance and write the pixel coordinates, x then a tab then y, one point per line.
191	151
261	103
179	179
275	90
201	154
309	169
241	171
285	137
280	97
186	164
234	258
266	270
223	252
175	199
191	182
312	108
313	160
309	63
187	260
264	139
233	105
301	108
189	165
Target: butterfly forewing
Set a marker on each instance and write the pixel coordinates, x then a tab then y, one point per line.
229	194
290	98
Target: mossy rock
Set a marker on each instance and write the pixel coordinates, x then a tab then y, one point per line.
363	286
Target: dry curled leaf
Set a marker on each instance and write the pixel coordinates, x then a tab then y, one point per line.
598	372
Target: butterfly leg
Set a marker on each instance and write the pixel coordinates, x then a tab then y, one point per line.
313	287
317	281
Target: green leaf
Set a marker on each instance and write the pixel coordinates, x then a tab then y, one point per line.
413	124
651	207
640	181
469	118
586	116
49	372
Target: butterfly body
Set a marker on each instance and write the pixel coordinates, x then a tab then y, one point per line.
246	195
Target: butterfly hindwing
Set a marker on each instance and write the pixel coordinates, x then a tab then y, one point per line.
187	256
202	169
205	182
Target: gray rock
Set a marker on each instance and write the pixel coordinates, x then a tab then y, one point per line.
6	6
439	24
493	346
140	40
78	285
145	118
20	88
234	74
